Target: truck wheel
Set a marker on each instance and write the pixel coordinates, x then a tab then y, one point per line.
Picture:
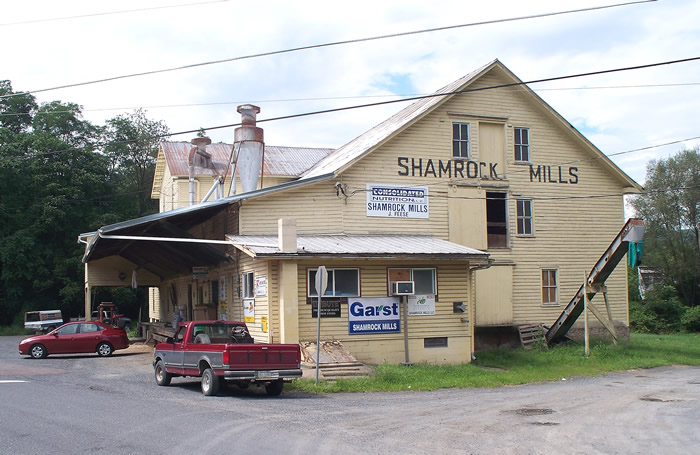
38	351
273	389
210	383
162	376
104	349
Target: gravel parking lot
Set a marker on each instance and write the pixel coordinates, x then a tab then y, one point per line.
84	403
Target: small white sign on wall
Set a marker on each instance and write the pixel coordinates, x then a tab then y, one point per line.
261	286
421	305
249	310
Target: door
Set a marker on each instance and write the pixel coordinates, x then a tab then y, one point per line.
492	142
494	296
174	354
466	209
64	340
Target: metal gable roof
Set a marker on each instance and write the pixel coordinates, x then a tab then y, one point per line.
344	156
156	253
379	246
279	161
362	144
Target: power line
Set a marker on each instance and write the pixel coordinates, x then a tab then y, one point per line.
333	98
107	13
336	43
382	103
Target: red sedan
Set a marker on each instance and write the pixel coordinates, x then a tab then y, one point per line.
74	338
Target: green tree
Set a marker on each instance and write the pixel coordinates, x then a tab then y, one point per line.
16	111
58	179
670	208
132	143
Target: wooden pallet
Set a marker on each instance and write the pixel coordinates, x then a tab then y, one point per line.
532	334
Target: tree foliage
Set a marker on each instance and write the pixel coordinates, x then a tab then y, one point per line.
670	208
132	148
58	179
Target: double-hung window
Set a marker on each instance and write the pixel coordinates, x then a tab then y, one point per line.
524	216
423	278
460	140
549	286
247	285
522	144
341	283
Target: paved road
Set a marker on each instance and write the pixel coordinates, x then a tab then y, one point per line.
88	404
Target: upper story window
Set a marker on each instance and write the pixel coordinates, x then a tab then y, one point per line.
522	144
524	215
341	283
460	140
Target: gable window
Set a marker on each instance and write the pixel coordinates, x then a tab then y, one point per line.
524	215
423	279
341	283
549	286
496	227
460	140
522	144
247	285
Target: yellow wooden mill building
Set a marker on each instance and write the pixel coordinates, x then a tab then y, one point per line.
485	199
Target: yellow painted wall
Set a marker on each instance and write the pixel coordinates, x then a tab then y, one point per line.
389	347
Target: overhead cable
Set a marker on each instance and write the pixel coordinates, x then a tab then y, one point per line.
107	13
336	43
381	103
331	98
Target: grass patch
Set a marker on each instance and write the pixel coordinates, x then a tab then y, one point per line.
14	330
503	367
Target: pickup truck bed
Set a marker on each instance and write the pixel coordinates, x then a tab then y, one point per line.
223	350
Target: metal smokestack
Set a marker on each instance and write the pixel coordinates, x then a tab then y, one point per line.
199	144
248	140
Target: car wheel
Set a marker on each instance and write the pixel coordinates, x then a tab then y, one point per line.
127	327
162	376
104	349
210	383
273	389
38	351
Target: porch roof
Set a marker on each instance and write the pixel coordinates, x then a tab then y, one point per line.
359	246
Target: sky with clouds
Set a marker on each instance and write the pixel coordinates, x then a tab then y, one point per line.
617	112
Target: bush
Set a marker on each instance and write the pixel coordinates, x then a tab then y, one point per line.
660	312
691	319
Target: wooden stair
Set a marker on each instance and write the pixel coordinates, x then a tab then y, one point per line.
532	335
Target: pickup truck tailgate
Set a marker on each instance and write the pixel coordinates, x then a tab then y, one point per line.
270	356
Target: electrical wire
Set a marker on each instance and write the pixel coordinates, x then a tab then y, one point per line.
336	43
107	13
334	98
381	103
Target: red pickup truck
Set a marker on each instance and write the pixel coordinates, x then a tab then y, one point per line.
224	350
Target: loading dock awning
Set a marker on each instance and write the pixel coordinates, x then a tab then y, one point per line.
360	246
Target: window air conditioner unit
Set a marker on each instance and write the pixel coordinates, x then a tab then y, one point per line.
402	288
